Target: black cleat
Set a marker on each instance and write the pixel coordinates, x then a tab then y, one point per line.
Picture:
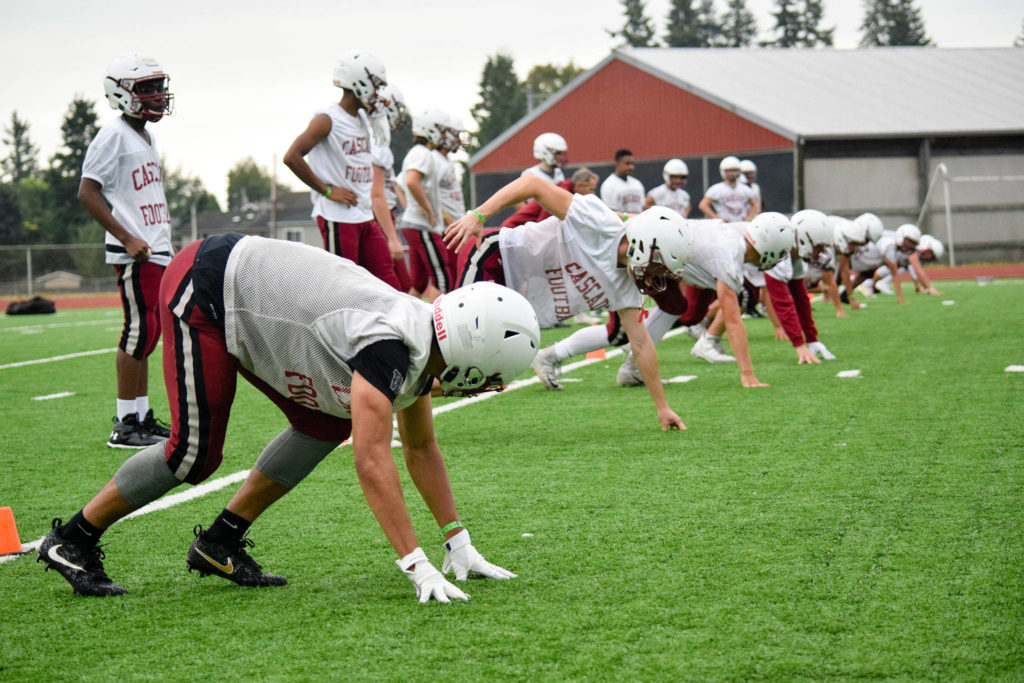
128	433
229	560
157	428
81	564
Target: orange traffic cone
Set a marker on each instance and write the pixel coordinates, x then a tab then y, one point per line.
9	540
599	355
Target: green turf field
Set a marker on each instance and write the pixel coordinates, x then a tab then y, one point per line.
819	528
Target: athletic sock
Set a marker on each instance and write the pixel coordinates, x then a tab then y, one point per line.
582	341
79	530
142	406
228	525
125	408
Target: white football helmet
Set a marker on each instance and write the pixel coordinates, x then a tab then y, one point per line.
748	166
430	124
908	231
547	145
848	235
872	225
932	244
660	243
487	334
393	103
362	73
772	236
453	133
813	237
674	167
136	85
730	163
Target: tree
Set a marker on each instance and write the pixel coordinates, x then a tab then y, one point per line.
637	31
21	159
1019	40
182	191
11	223
502	99
681	25
65	172
892	22
797	24
248	183
708	25
544	80
739	28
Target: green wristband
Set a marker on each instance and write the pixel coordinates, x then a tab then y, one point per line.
479	215
451	525
327	192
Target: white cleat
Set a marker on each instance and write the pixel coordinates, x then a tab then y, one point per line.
629	373
548	368
697	331
586	319
711	350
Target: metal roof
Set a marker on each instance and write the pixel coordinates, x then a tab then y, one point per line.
875	92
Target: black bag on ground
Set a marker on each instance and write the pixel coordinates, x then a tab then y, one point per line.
36	304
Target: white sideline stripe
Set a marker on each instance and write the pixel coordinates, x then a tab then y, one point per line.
216	484
49	396
41	326
37	361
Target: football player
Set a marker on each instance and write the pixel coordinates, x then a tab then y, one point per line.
386	194
551	150
339	352
573	262
621	191
748	176
928	249
672	194
729	200
122	188
866	260
583	181
848	237
340	171
716	272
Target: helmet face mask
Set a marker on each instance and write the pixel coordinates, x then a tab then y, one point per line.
659	245
813	237
451	135
137	86
487	335
393	104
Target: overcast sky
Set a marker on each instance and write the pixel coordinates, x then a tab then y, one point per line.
247	76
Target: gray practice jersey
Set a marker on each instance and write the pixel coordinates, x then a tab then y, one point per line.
294	314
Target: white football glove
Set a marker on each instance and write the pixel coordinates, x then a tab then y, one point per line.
463	558
429	582
819	348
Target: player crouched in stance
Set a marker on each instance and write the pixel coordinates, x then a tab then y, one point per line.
791	307
339	357
572	262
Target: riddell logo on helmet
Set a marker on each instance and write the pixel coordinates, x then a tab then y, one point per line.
439	326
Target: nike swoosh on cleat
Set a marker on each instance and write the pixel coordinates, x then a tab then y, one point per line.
229	568
52	554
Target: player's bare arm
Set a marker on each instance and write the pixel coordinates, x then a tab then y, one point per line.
382	213
922	277
847	280
646	357
829	280
376	469
730	307
554	199
294	159
755	208
414	181
90	196
425	463
705	207
896	285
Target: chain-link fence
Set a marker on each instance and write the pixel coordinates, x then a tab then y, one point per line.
29	269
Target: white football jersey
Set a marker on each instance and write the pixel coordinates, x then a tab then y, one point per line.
718	254
343	158
677	200
293	315
384	159
874	254
565	267
421	159
626	195
131	179
557	175
449	186
789	268
731	204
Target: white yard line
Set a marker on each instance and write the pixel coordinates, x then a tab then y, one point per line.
217	484
49	396
37	361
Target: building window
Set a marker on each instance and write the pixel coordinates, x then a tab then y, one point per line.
293	234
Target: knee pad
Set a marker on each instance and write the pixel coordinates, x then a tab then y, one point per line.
145	476
291	456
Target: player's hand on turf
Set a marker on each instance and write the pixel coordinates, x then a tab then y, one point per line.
669	419
429	582
854	304
933	292
749	381
819	349
461	557
462	232
780	334
805	355
840	313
